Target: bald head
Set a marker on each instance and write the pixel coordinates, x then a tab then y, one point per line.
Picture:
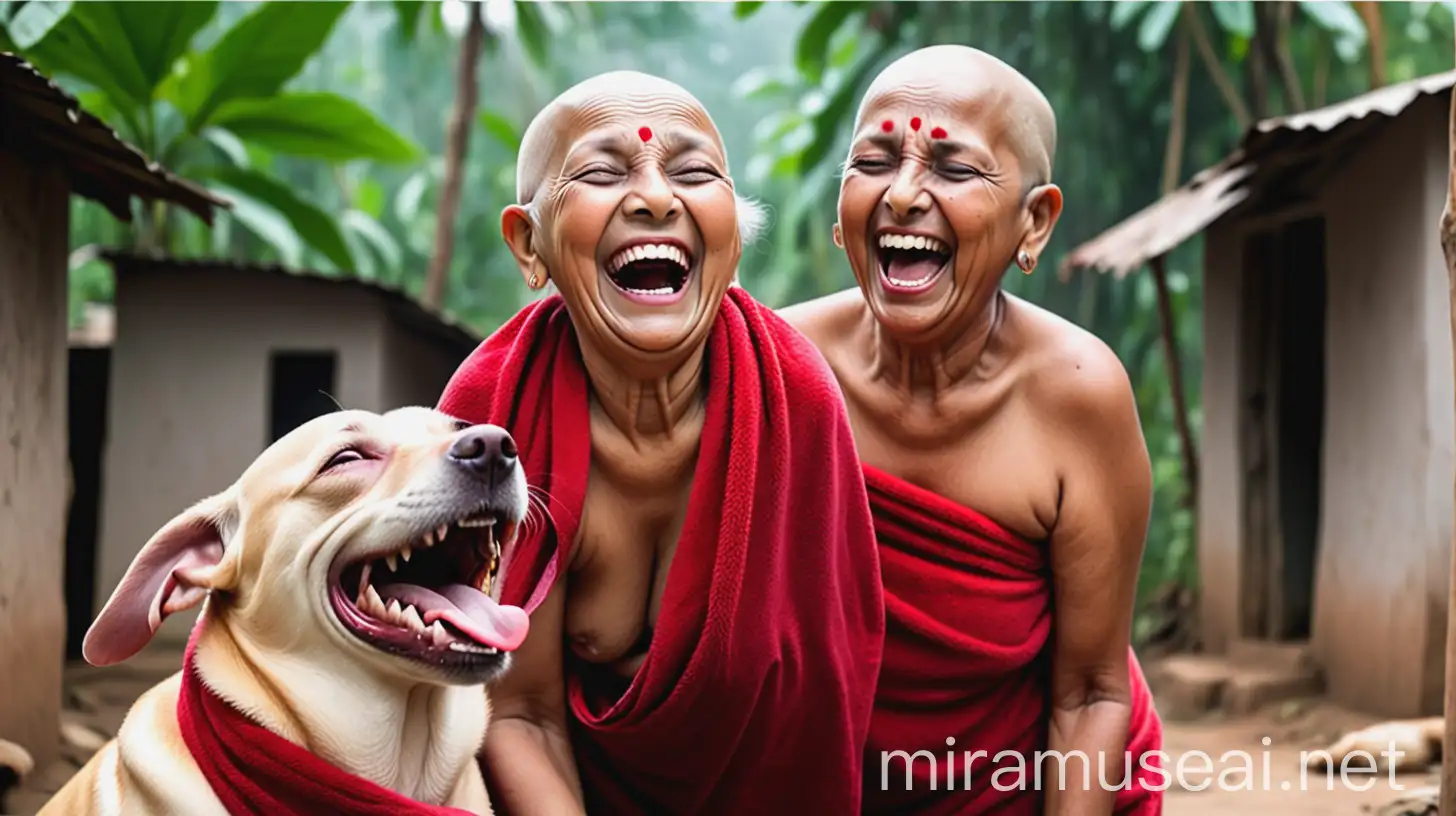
603	99
1031	126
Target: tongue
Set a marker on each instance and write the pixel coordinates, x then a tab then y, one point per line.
467	609
913	267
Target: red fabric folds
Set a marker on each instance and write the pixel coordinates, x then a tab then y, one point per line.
966	668
756	693
255	772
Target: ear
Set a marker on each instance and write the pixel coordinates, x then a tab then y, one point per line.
1043	208
518	229
838	236
172	573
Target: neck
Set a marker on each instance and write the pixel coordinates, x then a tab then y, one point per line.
649	401
934	365
412	738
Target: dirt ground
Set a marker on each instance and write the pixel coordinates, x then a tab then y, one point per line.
97	699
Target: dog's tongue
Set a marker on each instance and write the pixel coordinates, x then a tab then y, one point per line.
467	609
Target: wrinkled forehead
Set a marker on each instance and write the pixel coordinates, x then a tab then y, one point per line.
621	121
967	99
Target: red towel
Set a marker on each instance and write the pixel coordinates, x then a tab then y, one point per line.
756	693
255	772
968	615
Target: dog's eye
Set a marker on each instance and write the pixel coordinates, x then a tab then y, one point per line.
343	457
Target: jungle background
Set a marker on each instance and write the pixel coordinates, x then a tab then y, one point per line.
377	139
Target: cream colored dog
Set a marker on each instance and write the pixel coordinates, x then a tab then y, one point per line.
1407	745
347	579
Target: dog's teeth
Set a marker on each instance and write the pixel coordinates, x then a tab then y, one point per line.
440	533
473	649
393	610
405	553
393	562
369	601
429	538
412	619
363	579
438	633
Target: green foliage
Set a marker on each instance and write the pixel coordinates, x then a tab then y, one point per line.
219	113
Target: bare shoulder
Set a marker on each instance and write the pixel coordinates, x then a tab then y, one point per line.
826	320
1073	377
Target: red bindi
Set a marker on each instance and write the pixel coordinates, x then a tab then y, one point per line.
645	134
937	133
887	126
915	123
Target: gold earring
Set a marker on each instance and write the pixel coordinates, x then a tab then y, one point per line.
1023	260
534	281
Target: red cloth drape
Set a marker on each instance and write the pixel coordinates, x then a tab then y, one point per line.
968	616
255	772
755	695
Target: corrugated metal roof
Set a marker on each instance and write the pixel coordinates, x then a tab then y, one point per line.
403	305
1186	211
38	118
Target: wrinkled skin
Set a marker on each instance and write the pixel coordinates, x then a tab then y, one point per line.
588	184
954	370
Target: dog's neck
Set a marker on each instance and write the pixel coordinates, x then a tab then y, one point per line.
412	738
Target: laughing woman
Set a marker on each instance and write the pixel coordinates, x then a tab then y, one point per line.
707	618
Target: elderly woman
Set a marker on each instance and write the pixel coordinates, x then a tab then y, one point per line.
707	618
1007	470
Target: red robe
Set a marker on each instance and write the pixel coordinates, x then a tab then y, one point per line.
967	658
756	692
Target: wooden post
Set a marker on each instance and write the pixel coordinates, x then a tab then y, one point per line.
1447	802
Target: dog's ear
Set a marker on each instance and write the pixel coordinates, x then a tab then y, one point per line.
172	573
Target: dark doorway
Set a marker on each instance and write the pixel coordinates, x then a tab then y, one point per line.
87	379
300	388
1282	427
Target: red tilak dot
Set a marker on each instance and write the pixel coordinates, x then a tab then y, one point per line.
887	126
915	123
937	133
645	133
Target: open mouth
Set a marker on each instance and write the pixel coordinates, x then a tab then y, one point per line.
652	273
911	263
430	600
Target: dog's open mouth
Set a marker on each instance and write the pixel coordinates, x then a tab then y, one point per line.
431	599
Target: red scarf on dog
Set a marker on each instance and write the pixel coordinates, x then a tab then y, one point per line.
756	691
255	772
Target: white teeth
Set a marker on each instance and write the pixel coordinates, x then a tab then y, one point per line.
894	241
478	522
429	538
441	531
370	602
411	618
393	562
649	251
438	634
405	553
363	579
473	648
393	610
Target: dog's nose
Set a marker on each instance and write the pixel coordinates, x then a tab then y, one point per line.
485	450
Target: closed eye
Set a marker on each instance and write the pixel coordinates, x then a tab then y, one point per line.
342	458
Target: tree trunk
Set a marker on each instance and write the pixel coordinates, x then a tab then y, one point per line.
1375	33
1257	64
1167	323
457	140
1284	59
1447	802
1221	80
